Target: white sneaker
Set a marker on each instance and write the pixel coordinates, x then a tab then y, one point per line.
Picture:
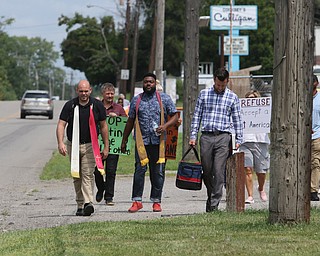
249	200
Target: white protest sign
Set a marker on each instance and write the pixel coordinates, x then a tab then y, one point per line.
256	114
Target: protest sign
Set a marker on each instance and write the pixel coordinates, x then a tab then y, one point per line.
116	127
172	140
256	114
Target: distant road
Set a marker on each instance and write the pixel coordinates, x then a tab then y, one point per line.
25	144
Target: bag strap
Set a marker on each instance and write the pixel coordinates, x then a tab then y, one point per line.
195	152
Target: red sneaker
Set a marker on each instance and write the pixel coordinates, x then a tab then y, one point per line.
156	207
136	206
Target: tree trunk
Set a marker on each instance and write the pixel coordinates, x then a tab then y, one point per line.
291	112
135	48
191	67
160	39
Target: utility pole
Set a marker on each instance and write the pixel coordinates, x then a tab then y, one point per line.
191	67
289	199
135	47
160	40
123	84
152	58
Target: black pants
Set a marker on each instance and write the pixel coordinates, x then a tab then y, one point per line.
107	185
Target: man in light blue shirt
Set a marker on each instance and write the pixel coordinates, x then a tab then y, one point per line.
315	142
218	111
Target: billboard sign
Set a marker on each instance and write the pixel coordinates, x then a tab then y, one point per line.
243	17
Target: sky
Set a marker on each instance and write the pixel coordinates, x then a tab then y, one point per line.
39	18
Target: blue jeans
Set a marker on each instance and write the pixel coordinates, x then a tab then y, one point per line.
156	175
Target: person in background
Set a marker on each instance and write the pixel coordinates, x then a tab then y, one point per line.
218	111
256	157
106	187
75	116
120	102
315	142
126	103
159	87
148	113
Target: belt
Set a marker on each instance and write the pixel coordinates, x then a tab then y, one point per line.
83	142
215	133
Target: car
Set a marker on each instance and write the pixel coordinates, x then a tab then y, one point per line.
36	102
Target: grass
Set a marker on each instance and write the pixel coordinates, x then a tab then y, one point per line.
58	166
219	233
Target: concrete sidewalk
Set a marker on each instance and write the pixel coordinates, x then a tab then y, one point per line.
52	203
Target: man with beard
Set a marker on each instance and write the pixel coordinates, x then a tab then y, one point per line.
148	114
106	187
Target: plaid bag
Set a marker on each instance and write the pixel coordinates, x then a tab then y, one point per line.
189	175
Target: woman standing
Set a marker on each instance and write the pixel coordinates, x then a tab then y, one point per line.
256	157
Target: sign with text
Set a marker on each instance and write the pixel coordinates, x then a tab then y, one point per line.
172	140
256	114
240	45
243	17
116	126
125	73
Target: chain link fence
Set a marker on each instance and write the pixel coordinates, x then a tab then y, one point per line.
242	84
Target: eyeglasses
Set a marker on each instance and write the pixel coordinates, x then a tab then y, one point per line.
83	91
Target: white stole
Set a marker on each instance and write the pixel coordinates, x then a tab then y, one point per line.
75	145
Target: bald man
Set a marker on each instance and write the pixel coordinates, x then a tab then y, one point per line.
83	185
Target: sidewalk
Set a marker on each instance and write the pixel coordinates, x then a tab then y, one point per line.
52	203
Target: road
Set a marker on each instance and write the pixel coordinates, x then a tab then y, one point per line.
25	144
29	203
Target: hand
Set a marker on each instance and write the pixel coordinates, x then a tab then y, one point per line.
123	146
237	146
112	114
192	142
62	149
160	129
105	153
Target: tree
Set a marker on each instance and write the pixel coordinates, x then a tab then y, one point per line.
93	48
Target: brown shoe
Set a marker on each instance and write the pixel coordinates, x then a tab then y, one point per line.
136	206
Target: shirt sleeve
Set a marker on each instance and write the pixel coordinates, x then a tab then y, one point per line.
197	116
237	121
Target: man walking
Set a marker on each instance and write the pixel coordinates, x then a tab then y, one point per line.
148	113
315	142
106	187
81	115
218	111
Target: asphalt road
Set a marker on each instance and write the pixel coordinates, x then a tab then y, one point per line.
28	203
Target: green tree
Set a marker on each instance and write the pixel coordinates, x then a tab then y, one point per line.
94	47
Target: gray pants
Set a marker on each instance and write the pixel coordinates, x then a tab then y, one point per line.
214	151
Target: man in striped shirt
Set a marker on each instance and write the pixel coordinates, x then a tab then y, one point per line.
218	111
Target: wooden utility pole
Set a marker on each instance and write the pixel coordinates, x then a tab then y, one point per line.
152	57
135	48
123	84
291	112
160	39
191	66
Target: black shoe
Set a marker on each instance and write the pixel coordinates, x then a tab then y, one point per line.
109	202
314	196
88	209
99	196
79	212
